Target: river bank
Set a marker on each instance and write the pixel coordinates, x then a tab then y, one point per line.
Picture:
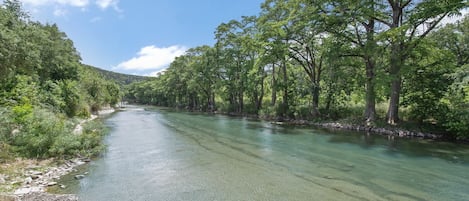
28	179
390	131
159	154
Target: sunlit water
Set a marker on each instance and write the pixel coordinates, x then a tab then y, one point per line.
162	155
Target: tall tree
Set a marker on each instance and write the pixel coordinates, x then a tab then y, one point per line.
409	22
354	22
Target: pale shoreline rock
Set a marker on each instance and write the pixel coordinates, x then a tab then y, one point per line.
35	185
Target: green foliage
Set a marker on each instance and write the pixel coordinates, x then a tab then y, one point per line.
427	84
457	122
38	133
42	86
119	78
326	60
22	113
91	140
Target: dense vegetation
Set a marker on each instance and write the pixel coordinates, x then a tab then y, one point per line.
368	61
45	90
119	78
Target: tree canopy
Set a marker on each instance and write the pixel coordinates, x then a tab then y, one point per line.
369	60
43	87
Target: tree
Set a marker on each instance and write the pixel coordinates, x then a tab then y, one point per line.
409	22
354	22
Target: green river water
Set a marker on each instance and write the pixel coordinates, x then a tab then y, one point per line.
157	154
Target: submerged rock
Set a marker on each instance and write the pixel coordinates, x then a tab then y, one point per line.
79	176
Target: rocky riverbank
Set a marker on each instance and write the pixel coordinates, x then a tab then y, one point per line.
28	179
382	131
390	132
33	178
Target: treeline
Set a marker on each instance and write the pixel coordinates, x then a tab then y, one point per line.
119	78
365	61
45	90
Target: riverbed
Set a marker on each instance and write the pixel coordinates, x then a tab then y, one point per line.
159	154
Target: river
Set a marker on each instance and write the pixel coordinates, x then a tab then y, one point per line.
158	154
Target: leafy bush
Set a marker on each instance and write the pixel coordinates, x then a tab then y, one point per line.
457	122
38	133
91	140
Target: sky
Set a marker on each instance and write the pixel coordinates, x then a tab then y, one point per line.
138	37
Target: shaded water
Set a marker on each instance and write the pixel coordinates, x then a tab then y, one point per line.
163	155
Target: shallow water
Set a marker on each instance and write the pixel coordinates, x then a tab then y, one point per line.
158	154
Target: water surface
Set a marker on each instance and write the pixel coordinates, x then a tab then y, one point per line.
157	154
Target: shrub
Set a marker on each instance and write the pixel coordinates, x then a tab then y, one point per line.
91	140
38	133
457	122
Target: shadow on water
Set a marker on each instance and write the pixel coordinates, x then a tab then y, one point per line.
158	154
417	148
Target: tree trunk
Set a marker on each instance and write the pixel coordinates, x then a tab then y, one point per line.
274	87
370	99
285	106
315	110
393	110
370	96
316	70
395	68
329	96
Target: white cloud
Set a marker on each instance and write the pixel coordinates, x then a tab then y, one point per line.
95	19
60	12
104	4
155	73
153	58
75	3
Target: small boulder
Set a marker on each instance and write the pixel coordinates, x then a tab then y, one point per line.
33	176
28	180
52	183
79	176
36	173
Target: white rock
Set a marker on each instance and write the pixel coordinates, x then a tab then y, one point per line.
23	191
79	176
28	180
36	176
35	172
52	183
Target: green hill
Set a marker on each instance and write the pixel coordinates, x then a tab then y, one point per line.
119	78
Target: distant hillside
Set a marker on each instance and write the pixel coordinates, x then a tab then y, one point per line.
120	78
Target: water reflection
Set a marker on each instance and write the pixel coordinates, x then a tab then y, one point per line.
165	155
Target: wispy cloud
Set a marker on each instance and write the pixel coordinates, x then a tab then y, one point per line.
75	3
104	4
95	19
82	4
59	12
153	58
155	73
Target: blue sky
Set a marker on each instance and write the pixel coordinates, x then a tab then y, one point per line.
138	37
